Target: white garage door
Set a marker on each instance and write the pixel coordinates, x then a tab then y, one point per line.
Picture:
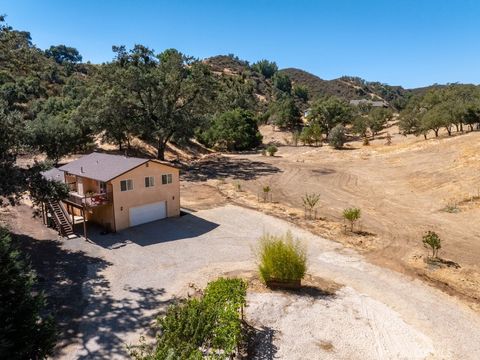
146	213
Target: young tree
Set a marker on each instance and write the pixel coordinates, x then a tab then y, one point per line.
309	203
337	137
352	215
432	240
271	150
26	331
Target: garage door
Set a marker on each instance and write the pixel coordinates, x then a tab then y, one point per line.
146	213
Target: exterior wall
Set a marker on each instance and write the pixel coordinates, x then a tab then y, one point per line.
89	185
103	216
140	195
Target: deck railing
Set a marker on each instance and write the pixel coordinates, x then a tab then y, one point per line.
90	200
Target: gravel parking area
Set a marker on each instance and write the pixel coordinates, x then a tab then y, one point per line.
376	313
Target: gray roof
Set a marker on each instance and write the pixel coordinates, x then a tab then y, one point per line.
102	167
53	175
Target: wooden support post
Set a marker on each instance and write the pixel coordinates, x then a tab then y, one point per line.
84	224
43	213
70	211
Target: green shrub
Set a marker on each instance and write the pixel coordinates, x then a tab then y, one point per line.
281	258
337	137
26	331
352	215
271	150
432	240
198	328
233	130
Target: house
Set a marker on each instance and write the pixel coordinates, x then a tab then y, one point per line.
115	191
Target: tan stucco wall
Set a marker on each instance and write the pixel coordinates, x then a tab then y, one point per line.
102	215
140	195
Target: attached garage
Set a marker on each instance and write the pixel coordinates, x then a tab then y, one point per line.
147	213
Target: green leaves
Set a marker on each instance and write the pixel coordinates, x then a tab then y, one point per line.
26	331
265	67
281	258
206	327
284	113
233	130
432	240
329	112
352	215
160	97
337	137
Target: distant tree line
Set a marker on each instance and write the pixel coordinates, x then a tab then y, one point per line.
455	107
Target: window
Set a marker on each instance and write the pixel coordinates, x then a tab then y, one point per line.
102	186
149	181
126	185
166	179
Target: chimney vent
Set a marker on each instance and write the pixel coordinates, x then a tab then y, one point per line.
81	169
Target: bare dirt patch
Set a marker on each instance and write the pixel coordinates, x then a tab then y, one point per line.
401	190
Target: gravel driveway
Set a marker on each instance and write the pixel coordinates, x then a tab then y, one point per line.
377	314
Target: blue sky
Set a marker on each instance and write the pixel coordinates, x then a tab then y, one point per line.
400	42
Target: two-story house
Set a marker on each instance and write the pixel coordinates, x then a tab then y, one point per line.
116	191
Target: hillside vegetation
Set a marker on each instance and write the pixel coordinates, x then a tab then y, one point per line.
54	104
349	88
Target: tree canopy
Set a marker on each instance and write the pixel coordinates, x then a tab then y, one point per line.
329	112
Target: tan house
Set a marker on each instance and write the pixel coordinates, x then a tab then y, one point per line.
115	191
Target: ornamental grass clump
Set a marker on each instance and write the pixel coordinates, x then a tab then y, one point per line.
282	258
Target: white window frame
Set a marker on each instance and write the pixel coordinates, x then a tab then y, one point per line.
167	179
149	181
128	185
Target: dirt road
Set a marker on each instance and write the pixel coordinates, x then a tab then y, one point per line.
402	191
375	313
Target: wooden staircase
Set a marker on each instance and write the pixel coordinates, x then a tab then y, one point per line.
60	218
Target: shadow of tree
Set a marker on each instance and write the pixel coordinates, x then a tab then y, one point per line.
226	167
92	318
61	275
259	343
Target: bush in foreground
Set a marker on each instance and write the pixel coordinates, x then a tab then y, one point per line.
25	331
208	327
282	258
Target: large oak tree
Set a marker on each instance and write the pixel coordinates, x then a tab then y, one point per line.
158	97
